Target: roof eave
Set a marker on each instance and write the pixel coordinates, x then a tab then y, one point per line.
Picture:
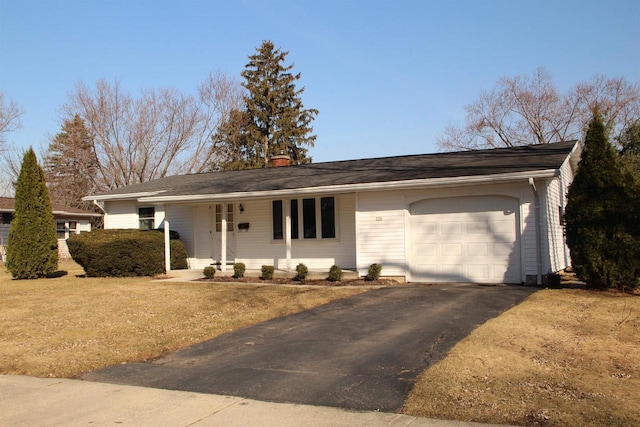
348	188
121	196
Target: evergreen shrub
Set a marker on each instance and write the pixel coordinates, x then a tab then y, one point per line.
238	270
335	274
267	272
32	249
209	272
373	273
601	218
301	272
124	253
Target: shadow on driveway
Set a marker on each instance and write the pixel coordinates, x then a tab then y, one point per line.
363	352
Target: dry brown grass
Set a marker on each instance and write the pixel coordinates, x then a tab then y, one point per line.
561	358
66	326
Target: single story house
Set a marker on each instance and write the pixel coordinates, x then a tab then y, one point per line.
68	221
485	216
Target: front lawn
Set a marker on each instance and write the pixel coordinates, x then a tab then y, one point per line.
65	326
561	358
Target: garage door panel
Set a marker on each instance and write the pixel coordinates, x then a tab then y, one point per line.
451	228
477	227
451	269
478	271
471	238
451	249
427	249
477	249
502	249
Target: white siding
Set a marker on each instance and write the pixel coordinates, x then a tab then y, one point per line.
4	236
555	203
256	246
381	232
202	254
529	230
181	220
121	214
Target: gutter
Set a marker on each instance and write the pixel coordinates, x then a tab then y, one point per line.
348	188
122	196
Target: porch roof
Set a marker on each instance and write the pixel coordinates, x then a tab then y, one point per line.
367	173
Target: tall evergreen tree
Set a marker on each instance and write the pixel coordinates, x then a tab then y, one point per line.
278	123
602	223
71	164
32	250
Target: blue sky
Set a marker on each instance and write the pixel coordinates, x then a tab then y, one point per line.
386	76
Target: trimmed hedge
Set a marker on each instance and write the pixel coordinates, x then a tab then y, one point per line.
209	272
267	272
335	274
238	270
124	253
301	272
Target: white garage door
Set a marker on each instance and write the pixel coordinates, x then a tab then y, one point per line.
465	239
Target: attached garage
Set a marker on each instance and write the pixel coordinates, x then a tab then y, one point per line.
466	239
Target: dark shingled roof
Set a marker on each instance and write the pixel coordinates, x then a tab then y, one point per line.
385	169
7	204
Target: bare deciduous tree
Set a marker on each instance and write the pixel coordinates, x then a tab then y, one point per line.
160	133
9	119
525	110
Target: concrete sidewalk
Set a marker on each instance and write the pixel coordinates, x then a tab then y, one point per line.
29	401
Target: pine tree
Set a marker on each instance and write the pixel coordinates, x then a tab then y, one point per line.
602	224
32	250
278	123
71	164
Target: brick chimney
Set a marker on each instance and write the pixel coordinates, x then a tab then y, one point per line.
280	160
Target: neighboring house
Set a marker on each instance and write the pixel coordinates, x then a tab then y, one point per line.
487	216
68	221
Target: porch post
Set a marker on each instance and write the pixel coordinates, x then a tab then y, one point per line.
223	239
167	240
287	231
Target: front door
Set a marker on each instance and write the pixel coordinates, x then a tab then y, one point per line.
224	217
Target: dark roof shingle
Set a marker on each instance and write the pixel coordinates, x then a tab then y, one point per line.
385	169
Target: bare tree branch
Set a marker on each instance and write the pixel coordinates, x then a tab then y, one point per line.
526	109
159	133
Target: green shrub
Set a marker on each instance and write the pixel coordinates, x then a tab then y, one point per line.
267	272
601	216
238	270
124	253
178	255
374	272
32	250
209	272
301	272
335	274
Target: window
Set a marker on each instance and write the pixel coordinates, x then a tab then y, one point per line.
73	227
147	218
61	230
295	234
277	220
328	217
218	218
230	217
307	220
6	217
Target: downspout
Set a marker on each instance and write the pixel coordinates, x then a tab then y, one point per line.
536	204
167	241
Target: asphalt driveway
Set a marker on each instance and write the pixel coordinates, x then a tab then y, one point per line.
363	353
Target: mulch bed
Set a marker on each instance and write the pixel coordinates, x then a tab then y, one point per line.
312	282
